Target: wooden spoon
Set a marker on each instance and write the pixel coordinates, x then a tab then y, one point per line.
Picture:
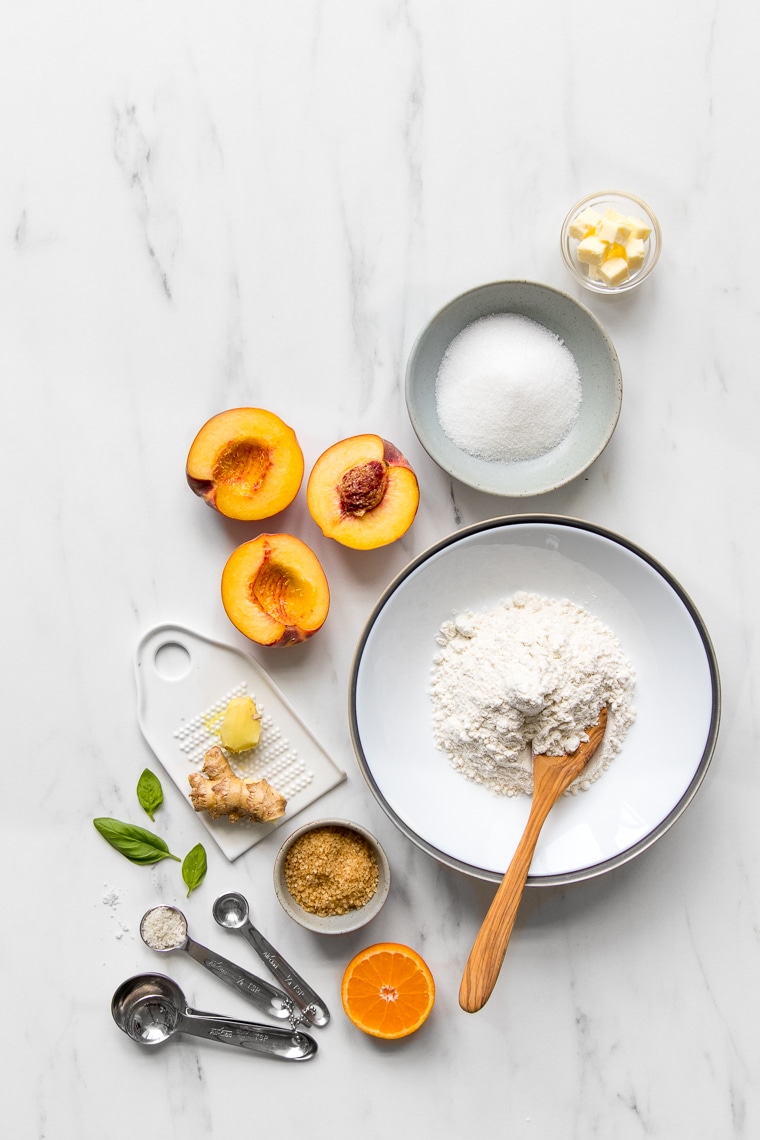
552	775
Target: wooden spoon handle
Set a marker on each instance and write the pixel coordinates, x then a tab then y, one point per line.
490	946
552	775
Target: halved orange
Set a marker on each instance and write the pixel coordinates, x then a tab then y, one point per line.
387	990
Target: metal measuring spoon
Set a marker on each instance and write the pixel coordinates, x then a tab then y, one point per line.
266	997
231	912
150	1008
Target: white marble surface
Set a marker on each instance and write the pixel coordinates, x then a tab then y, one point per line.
209	205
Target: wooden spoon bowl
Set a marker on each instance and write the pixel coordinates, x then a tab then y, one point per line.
552	775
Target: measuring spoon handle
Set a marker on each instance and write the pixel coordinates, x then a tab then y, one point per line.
300	991
266	997
266	1040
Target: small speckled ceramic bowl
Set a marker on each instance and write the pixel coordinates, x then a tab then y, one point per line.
339	923
600	376
628	205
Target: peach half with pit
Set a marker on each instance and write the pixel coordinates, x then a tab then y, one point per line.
274	590
246	463
362	492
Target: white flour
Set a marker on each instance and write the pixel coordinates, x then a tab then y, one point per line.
527	677
112	899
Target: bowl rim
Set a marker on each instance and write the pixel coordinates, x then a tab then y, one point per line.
597	869
341	923
537	287
654	250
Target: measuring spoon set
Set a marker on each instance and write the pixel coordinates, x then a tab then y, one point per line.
150	1008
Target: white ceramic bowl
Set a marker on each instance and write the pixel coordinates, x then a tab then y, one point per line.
625	204
339	923
665	754
601	384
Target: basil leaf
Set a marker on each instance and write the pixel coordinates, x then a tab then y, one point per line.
194	867
135	843
150	794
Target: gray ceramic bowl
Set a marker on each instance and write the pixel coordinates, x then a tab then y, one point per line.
339	923
601	386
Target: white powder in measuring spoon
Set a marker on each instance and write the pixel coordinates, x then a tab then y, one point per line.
528	677
163	928
507	389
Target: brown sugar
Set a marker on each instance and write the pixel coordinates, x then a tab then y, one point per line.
331	871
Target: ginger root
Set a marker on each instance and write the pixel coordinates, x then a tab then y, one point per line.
217	790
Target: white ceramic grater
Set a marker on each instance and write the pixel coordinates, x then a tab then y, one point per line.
184	682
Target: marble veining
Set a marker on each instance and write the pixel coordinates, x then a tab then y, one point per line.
204	206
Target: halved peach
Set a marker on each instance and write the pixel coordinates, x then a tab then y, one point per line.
246	463
362	492
274	590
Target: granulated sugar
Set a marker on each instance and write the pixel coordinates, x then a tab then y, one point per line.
507	389
528	677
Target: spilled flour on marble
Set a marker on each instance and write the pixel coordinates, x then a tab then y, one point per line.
528	677
112	898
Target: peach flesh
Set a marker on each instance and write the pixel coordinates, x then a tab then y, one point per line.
362	492
246	463
274	590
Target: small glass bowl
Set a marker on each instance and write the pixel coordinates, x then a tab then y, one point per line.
626	204
337	923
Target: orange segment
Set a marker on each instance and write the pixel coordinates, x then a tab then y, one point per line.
388	990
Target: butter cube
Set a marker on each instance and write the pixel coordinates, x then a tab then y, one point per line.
614	271
614	249
635	252
584	224
594	273
614	227
623	231
639	228
591	250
